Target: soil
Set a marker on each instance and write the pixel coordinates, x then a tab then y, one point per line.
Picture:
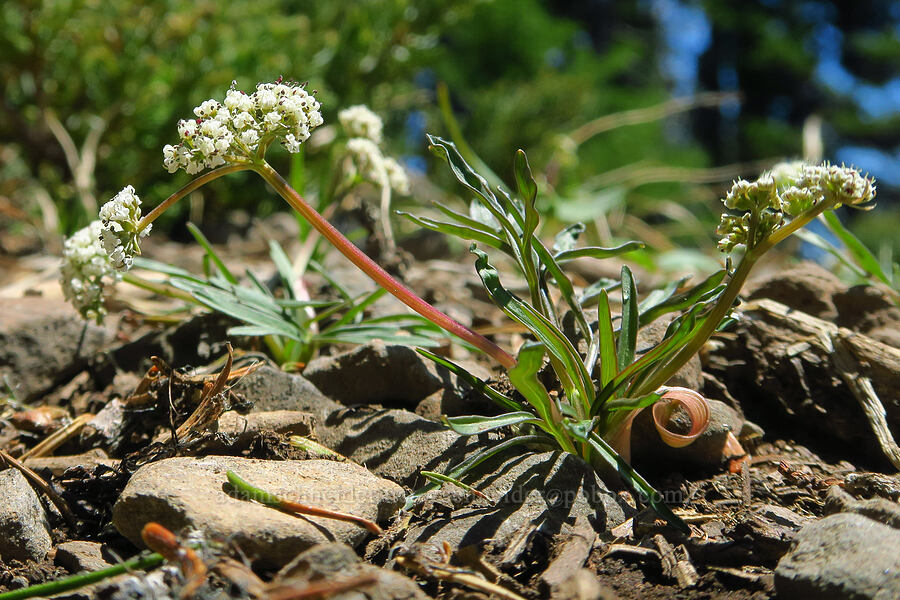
803	430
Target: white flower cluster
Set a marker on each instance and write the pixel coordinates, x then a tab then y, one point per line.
359	121
85	271
119	234
788	189
236	128
366	159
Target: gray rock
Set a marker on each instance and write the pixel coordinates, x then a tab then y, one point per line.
187	493
706	450
76	557
60	464
393	443
333	561
530	494
238	430
807	287
878	509
272	389
842	556
690	375
377	373
43	343
24	532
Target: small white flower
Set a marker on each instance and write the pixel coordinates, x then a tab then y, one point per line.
367	161
397	177
235	129
359	121
85	272
119	234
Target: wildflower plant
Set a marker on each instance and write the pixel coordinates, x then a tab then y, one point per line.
601	380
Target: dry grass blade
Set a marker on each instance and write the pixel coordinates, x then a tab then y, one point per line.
58	438
444	572
40	485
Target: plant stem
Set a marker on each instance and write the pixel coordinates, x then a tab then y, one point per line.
375	272
729	295
187	189
76	581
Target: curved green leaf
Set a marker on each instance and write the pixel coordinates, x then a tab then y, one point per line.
474	424
475	382
629	329
598	252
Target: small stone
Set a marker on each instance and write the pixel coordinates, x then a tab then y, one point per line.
58	465
24	531
238	430
690	375
79	556
186	493
271	389
843	556
878	509
392	375
807	287
394	443
44	343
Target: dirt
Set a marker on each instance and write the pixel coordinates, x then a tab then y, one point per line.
743	513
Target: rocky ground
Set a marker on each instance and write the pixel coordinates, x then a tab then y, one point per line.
812	512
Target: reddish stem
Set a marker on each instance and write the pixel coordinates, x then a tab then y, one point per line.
379	275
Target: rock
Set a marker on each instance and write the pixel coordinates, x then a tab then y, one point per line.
107	428
334	561
877	509
584	585
43	343
842	556
393	443
271	389
76	557
869	311
238	430
690	375
706	450
24	531
807	287
187	493
58	465
531	494
392	375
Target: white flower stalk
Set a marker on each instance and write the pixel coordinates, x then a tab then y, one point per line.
86	270
397	177
788	189
242	126
366	161
119	235
360	122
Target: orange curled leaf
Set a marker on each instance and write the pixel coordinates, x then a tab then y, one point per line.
693	403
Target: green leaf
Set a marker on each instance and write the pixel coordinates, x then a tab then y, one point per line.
283	266
608	364
201	239
566	239
683	300
474	425
579	388
479	384
523	376
473	461
598	252
863	257
159	267
632	403
629	329
582	431
460	231
486	224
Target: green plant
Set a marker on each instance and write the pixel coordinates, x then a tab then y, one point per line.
292	326
590	414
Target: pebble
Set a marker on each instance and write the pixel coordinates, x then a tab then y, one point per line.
24	531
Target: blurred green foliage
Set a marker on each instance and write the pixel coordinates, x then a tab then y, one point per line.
128	70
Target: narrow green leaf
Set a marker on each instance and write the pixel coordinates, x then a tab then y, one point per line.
863	257
608	364
566	239
201	239
598	252
283	266
629	329
474	424
632	403
478	384
460	231
683	300
523	376
473	461
579	388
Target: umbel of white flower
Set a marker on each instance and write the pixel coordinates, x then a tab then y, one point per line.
85	271
243	126
119	235
788	189
360	122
